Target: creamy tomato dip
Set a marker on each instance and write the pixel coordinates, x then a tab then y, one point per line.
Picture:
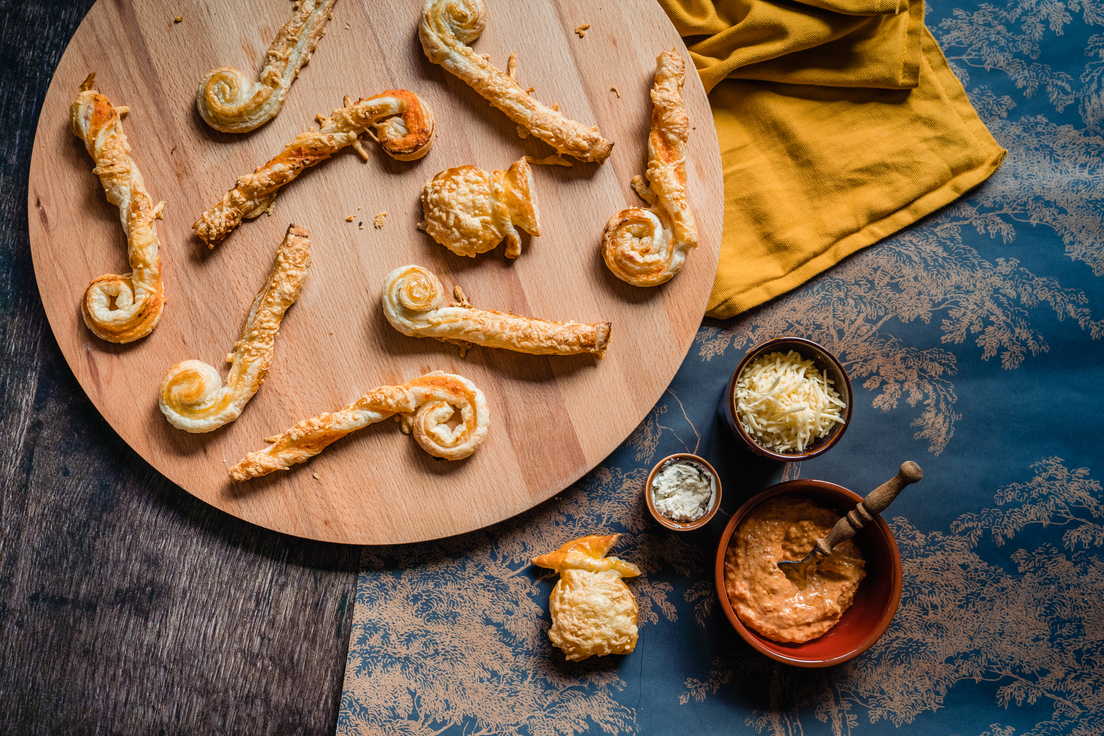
761	594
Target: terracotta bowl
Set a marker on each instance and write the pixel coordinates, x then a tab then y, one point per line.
683	526
825	363
875	601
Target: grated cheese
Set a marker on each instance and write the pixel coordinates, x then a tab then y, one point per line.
785	403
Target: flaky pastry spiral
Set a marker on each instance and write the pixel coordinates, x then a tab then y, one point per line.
398	119
470	211
231	102
425	405
446	29
593	611
647	247
413	301
192	396
122	308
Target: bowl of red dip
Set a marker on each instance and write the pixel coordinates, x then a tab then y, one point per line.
874	602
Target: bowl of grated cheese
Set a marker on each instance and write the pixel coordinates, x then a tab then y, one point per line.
683	492
789	399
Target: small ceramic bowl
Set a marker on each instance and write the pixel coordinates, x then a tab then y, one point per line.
825	363
875	602
683	526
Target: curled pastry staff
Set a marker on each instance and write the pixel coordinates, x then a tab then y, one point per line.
593	611
192	395
413	302
229	101
470	211
127	307
446	29
648	247
398	119
424	405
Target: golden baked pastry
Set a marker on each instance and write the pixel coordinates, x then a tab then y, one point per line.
446	29
192	396
120	308
425	406
593	611
470	211
398	119
647	247
413	300
231	102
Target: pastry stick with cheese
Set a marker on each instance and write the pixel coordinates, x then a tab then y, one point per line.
192	396
424	405
446	29
230	102
398	119
647	247
470	211
122	308
593	611
413	302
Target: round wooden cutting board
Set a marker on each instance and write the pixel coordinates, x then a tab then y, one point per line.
552	418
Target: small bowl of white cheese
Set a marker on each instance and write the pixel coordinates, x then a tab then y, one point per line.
683	492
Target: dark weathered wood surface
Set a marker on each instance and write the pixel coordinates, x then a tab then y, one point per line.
126	605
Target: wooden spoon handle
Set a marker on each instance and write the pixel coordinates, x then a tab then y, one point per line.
876	502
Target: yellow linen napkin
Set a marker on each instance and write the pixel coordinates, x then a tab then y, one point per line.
840	123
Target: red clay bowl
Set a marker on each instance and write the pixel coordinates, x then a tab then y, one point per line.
875	601
825	363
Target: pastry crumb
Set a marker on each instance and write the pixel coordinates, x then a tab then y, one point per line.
378	222
360	226
581	30
616	92
172	151
178	19
316	476
350	218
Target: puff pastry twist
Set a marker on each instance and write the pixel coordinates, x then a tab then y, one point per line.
593	611
192	396
425	406
231	102
122	308
413	300
470	211
647	247
446	29
398	119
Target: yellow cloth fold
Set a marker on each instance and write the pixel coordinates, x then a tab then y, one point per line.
839	122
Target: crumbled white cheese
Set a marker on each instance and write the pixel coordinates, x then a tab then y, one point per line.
785	403
683	490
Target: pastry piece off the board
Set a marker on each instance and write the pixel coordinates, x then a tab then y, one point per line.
122	308
192	396
647	247
414	304
425	406
397	118
470	211
593	611
446	29
231	102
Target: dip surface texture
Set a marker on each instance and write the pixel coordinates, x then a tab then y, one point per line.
683	490
764	599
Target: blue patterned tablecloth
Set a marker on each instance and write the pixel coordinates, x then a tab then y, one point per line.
973	341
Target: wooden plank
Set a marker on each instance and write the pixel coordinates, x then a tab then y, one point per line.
553	418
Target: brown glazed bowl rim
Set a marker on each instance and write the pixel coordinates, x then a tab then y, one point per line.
683	526
827	650
813	351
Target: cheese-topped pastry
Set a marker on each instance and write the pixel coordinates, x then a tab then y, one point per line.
398	119
413	301
593	611
192	396
424	405
120	308
446	29
647	247
470	211
231	102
